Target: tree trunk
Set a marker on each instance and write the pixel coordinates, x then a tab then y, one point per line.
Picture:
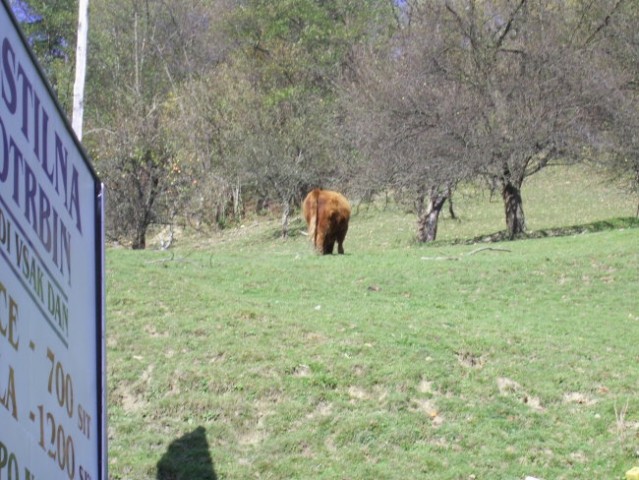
451	210
427	222
637	183
420	201
220	213
236	193
513	204
286	214
139	237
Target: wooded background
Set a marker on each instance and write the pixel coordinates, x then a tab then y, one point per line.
202	112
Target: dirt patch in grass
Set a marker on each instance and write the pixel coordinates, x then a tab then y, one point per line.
511	388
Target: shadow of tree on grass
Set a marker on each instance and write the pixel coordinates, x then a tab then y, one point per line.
187	458
599	226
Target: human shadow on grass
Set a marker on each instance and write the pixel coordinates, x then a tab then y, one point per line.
187	458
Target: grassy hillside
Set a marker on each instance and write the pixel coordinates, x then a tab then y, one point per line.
244	356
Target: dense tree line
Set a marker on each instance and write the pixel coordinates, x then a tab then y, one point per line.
205	111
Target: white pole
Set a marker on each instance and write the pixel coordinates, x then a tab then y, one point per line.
80	68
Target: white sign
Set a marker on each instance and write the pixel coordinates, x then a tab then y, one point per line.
52	403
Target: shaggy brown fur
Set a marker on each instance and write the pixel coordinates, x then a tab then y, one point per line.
327	214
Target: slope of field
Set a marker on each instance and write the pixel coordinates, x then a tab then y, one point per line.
245	356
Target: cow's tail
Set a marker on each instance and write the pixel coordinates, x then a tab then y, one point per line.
312	209
316	198
311	213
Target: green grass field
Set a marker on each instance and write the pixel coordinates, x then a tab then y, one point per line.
244	356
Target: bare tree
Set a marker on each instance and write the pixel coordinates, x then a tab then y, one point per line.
469	88
142	53
410	118
528	81
293	151
616	51
292	53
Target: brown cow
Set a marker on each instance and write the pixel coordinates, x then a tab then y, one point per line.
327	214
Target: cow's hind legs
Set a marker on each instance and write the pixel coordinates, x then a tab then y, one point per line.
328	248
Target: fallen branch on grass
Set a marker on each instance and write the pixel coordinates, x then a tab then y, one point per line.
163	260
488	248
468	254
